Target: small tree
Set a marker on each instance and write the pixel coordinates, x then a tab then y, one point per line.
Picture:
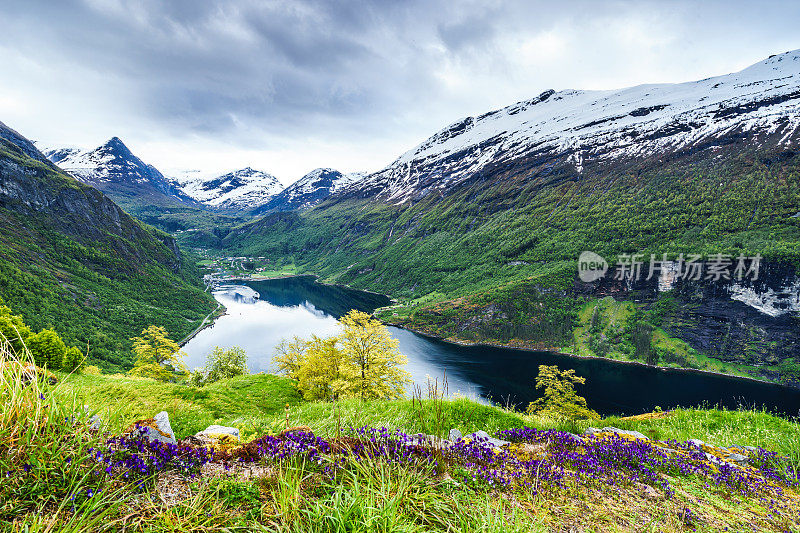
47	349
326	373
289	356
363	361
157	356
560	399
197	377
223	364
367	344
73	359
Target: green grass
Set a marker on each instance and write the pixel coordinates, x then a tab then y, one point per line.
242	401
256	404
366	496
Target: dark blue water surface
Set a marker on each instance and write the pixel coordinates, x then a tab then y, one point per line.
301	306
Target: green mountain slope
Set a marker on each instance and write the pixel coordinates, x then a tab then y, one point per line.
494	258
71	259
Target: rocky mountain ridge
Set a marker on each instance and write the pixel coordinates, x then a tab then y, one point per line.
601	127
310	190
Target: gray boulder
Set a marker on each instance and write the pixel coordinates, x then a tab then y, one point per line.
217	435
454	435
485	437
94	422
156	429
162	421
616	431
626	432
737	458
218	430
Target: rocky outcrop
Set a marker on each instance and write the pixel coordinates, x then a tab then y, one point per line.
156	429
753	322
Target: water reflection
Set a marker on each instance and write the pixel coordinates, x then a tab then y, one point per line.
300	306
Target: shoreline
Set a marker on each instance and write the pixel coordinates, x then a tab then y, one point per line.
506	347
591	357
207	322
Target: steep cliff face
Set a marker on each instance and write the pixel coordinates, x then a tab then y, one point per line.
750	322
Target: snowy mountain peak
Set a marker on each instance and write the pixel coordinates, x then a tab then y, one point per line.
238	190
115	170
310	190
588	126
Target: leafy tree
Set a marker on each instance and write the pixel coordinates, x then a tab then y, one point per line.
146	367
363	362
73	359
560	399
47	349
13	330
327	373
367	344
157	356
197	378
223	364
289	356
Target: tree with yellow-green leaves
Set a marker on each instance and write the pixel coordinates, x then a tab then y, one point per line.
157	356
559	399
362	362
374	353
289	356
326	373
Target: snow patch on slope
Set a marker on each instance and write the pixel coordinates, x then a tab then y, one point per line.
606	125
246	188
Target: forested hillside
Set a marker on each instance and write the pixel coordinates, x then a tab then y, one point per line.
72	260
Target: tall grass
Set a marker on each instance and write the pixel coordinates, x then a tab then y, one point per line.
46	455
373	496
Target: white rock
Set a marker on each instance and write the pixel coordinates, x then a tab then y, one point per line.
218	430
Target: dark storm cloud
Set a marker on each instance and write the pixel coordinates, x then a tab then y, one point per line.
206	65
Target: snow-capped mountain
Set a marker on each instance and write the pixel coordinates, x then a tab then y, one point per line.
115	170
310	190
239	190
592	127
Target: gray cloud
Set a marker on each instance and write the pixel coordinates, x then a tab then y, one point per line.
381	75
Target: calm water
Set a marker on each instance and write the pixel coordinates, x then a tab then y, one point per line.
300	306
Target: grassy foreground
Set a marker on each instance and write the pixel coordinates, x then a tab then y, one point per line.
52	482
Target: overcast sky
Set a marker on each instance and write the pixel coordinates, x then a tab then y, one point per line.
289	86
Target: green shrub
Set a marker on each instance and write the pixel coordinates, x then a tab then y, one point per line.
93	370
47	349
560	400
73	360
224	364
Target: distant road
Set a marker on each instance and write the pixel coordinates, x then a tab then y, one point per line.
203	324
